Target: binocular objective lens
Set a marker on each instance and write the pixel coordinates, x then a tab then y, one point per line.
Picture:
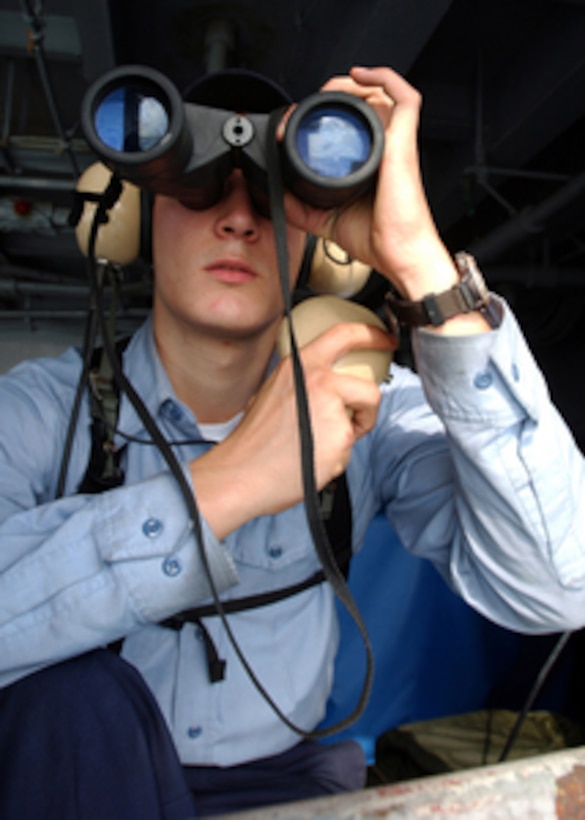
130	121
333	142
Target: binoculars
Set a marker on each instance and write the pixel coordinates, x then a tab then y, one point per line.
135	120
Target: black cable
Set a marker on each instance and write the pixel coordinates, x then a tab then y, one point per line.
533	694
149	442
105	201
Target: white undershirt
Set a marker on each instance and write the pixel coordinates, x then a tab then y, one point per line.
217	432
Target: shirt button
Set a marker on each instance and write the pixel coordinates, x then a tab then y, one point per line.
515	373
483	380
194	732
172	410
152	527
275	552
171	567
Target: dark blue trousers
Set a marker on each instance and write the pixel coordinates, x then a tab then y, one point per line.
306	771
85	740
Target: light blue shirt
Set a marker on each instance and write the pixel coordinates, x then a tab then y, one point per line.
488	484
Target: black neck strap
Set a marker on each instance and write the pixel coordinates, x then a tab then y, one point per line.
311	499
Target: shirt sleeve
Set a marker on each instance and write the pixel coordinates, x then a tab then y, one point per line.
85	570
490	486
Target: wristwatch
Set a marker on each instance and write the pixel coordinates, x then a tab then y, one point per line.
469	294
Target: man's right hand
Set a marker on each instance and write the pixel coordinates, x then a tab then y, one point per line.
257	469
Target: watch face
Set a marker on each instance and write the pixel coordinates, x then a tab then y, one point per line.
471	274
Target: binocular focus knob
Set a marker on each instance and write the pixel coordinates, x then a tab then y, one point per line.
238	131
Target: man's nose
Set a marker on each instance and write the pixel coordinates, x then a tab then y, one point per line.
237	215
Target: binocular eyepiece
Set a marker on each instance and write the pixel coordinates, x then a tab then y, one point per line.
136	122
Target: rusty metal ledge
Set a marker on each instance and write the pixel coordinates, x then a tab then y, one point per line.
537	788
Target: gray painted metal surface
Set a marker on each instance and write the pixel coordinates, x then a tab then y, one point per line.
537	788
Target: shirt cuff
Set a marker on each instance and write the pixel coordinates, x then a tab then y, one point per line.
146	533
490	375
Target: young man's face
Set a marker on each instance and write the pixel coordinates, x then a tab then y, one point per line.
215	270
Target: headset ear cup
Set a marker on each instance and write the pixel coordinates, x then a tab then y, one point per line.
332	271
117	238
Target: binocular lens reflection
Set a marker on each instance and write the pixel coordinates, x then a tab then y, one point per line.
130	121
333	142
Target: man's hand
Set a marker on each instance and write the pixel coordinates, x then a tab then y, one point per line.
392	230
257	469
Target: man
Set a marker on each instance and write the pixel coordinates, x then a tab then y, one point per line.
487	484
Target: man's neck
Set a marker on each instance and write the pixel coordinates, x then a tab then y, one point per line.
216	378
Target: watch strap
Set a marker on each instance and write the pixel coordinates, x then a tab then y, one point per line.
469	294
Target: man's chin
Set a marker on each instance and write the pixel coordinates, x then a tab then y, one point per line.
243	330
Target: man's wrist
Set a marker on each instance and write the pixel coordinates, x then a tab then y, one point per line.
469	294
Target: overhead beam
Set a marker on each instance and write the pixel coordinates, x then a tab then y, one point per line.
61	37
529	223
537	99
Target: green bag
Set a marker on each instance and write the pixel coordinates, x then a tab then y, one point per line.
467	741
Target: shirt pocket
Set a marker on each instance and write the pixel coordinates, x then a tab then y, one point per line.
275	543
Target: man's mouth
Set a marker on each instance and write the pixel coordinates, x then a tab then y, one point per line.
231	271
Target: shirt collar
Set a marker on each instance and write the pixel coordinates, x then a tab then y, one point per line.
144	369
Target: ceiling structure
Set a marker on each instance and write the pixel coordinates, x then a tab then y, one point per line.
502	129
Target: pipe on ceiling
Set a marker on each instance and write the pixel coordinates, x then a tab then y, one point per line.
528	223
220	39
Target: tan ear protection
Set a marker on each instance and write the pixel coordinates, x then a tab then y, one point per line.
333	271
118	239
316	315
331	274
